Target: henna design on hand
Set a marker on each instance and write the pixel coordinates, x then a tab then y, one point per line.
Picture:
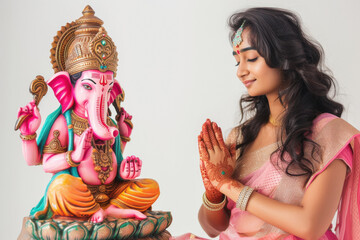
220	163
206	138
212	194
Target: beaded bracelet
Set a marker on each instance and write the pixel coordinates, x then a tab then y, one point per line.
244	197
248	193
241	196
213	206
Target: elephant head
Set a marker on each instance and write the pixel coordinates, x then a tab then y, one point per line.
90	97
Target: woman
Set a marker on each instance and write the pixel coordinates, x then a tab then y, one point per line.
295	158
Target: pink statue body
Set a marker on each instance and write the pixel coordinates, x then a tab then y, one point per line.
90	98
82	146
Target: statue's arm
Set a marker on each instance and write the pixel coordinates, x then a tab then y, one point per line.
31	152
56	147
125	127
56	154
28	133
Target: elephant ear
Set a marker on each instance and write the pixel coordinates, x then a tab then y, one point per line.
63	90
116	90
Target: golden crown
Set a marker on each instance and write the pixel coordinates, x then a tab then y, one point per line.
83	45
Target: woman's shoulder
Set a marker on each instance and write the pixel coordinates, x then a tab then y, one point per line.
327	122
335	136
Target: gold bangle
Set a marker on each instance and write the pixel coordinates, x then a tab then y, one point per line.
125	139
28	137
69	160
213	206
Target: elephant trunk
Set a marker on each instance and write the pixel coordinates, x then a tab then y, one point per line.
97	116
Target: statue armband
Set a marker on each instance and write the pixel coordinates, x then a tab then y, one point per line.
55	145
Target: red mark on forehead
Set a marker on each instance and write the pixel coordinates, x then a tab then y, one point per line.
103	81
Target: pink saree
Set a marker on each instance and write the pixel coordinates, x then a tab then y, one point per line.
337	140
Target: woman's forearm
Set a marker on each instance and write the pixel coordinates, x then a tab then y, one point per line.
289	218
213	222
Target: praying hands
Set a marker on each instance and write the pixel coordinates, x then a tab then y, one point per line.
217	161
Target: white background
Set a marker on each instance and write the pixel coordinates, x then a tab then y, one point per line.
177	69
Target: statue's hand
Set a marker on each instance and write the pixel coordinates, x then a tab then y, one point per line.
130	168
124	123
33	119
84	145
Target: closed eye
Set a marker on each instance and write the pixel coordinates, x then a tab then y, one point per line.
253	59
237	64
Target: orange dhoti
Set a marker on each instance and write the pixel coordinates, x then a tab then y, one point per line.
70	196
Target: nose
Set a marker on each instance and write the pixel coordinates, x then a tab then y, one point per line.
242	70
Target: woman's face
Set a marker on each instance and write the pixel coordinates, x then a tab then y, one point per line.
253	72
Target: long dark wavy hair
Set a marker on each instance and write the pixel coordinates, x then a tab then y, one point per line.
277	36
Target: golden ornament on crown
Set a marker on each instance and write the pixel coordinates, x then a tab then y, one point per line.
83	45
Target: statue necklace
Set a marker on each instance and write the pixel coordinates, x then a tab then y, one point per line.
101	153
102	157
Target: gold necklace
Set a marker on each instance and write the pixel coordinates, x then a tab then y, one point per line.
102	158
79	124
274	122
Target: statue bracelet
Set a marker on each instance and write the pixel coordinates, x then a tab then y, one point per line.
28	137
69	160
125	139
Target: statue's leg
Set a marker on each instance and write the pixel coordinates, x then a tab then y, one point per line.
138	194
69	196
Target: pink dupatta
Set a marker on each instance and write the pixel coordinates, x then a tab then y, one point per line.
348	220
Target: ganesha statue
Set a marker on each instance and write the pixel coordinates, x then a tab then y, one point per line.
82	146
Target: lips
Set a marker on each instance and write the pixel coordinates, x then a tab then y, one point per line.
247	83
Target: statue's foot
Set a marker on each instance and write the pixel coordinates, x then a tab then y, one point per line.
124	213
99	216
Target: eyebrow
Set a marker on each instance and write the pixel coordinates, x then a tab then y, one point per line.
247	49
111	83
244	50
89	80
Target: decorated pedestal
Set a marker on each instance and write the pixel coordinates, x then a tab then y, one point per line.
65	228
